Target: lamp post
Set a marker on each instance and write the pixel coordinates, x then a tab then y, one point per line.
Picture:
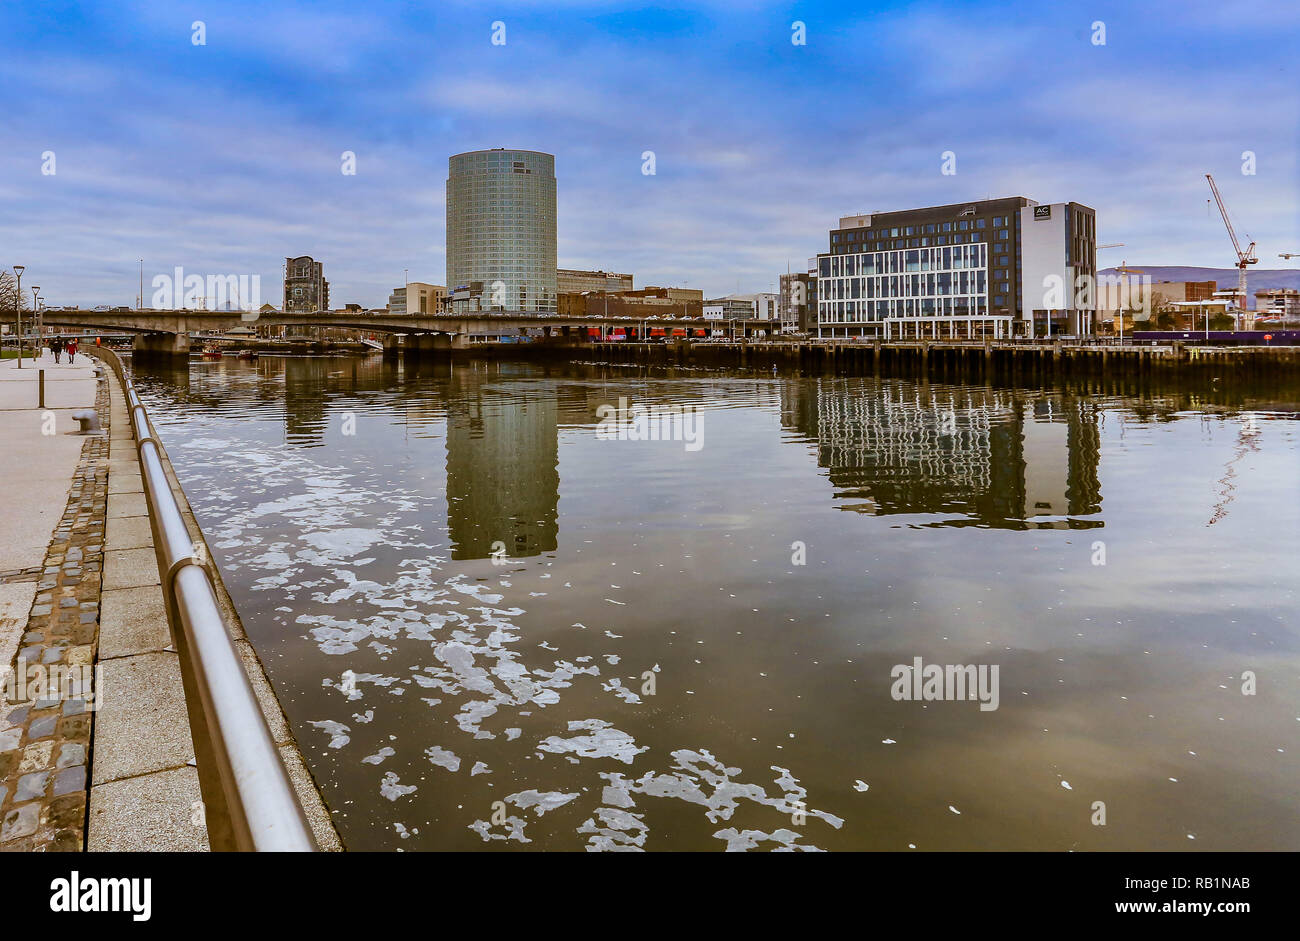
18	270
37	316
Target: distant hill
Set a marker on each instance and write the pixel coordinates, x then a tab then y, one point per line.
1268	279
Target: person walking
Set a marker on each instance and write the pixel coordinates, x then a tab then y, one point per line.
56	345
72	350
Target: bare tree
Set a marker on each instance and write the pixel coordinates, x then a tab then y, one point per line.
10	301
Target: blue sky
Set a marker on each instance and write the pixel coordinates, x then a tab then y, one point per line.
225	157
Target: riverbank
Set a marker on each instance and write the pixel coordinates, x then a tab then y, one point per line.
50	561
108	762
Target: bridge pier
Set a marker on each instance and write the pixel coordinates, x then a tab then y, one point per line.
150	345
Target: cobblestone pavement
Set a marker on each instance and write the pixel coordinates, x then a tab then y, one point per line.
45	742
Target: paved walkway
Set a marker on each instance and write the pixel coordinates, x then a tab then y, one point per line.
143	785
54	490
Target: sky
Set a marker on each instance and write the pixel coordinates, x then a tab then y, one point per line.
224	157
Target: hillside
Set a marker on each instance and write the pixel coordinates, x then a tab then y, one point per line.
1267	279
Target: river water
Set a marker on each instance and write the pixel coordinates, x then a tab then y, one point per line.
494	624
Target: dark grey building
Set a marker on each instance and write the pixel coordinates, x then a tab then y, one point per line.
997	267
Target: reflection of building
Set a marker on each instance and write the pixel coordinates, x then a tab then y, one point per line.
501	230
983	454
503	479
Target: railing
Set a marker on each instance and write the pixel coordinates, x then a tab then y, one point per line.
249	800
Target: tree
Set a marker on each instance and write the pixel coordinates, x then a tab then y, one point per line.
10	302
1222	322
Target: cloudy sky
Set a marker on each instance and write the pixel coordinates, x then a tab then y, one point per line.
225	157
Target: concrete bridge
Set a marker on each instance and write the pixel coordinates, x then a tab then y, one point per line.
169	331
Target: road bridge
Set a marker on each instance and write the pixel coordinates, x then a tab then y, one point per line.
170	331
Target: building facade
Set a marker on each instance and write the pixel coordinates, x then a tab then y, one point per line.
574	281
1282	302
798	300
417	297
995	268
305	287
501	230
643	303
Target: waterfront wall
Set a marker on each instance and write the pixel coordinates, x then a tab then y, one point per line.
939	360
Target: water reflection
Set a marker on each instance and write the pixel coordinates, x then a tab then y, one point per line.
367	556
986	454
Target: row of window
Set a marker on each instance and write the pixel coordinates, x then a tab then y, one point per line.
935	284
896	262
961	225
924	241
868	311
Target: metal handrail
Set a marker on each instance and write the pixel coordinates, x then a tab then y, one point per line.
249	801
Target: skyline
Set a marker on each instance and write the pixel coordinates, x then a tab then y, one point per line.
225	157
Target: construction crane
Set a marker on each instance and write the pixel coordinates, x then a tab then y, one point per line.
1110	245
1243	258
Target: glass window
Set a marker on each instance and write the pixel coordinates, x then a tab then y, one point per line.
947	226
979	223
963	225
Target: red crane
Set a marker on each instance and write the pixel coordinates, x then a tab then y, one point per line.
1243	258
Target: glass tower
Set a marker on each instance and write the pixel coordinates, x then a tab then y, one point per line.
501	228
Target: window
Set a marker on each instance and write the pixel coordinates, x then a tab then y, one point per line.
1004	234
947	226
929	229
979	223
963	225
908	231
1003	260
998	221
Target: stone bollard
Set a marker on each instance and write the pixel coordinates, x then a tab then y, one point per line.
89	420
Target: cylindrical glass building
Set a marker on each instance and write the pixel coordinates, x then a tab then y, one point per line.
501	229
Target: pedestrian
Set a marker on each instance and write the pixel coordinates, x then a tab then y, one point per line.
57	346
72	350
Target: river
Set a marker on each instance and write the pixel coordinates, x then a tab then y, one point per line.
496	622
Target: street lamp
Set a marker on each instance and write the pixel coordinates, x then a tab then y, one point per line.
36	315
18	270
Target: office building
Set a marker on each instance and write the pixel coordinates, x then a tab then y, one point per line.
997	267
501	231
305	287
417	297
573	281
798	301
1281	302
